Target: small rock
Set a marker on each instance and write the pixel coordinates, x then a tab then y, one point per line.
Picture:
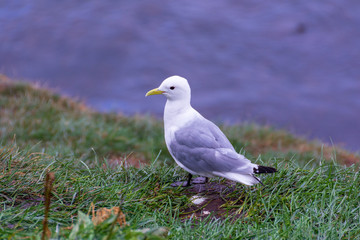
197	200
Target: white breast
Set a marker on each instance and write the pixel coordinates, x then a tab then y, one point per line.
172	123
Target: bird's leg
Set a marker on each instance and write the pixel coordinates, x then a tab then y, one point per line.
188	183
183	184
200	180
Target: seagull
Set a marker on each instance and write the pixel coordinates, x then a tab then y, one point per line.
198	145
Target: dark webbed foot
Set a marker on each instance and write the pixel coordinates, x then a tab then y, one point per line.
183	184
180	184
200	180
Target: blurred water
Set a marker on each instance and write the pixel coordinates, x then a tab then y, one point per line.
290	64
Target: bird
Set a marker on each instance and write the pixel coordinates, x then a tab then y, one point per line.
196	144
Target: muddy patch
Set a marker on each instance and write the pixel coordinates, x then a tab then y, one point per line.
214	200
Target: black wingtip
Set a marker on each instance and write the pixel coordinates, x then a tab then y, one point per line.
263	169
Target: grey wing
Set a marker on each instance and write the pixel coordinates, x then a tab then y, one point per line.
203	148
202	133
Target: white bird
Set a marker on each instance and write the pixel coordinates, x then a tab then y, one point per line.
198	145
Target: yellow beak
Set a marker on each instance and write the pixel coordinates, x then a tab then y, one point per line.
155	91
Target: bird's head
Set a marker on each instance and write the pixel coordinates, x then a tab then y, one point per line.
173	88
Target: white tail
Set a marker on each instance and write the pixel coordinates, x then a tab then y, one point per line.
247	179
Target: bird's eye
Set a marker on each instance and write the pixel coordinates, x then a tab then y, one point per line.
172	88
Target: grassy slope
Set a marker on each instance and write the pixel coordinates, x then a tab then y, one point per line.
311	196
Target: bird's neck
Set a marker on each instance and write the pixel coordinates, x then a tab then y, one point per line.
177	112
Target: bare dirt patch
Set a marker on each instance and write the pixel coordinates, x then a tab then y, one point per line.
213	199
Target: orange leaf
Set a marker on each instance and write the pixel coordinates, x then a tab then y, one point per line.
104	213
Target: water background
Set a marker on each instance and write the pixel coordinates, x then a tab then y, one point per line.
289	64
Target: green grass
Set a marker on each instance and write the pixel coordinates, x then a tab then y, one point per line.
313	196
